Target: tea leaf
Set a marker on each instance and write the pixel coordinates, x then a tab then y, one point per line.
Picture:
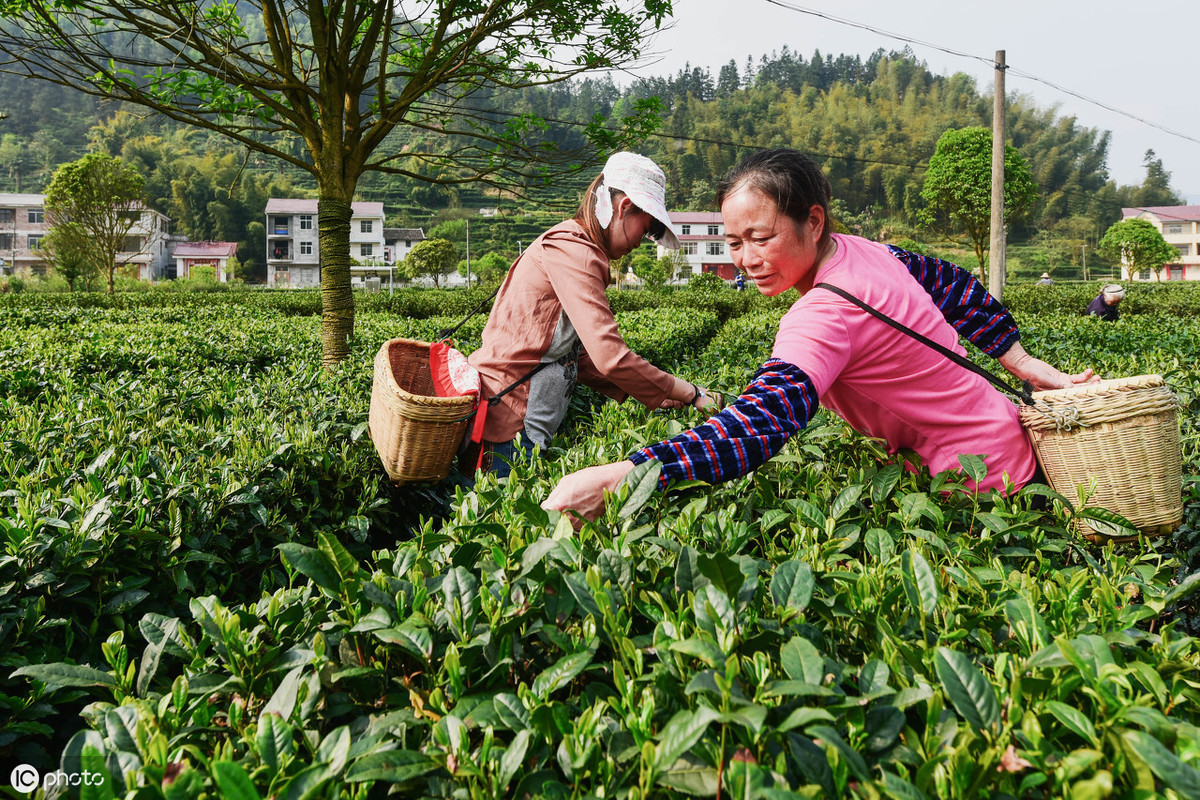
1163	763
848	754
561	673
879	544
902	789
845	500
973	696
312	564
305	783
514	756
394	766
974	467
802	661
643	479
723	573
59	674
273	741
345	564
233	782
792	585
283	701
681	733
687	571
885	482
920	584
1074	720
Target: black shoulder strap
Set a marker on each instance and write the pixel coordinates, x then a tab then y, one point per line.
1026	393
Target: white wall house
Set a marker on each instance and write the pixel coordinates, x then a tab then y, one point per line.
23	226
1180	226
292	252
210	254
702	240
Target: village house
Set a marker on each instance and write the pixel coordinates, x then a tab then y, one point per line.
1180	226
292	252
189	255
702	241
23	226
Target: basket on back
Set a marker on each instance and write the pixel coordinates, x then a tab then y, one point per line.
1122	433
416	432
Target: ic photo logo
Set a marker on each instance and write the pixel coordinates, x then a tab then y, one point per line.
25	778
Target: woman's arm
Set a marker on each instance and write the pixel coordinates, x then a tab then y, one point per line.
779	401
977	316
1043	376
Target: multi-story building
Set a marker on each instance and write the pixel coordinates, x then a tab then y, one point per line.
22	228
702	241
1180	226
204	254
24	224
293	257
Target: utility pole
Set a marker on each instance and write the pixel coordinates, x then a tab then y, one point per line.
1083	250
468	253
996	256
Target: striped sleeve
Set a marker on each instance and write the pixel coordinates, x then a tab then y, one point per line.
971	309
779	401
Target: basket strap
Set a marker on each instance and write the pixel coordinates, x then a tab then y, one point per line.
1025	395
446	333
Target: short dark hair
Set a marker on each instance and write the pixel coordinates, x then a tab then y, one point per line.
788	177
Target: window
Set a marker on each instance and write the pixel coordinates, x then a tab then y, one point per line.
6	241
689	248
716	248
1144	275
686	230
281	226
35	216
1184	249
7	216
365	226
35	242
306	248
1175	272
714	230
1176	228
367	249
306	222
132	244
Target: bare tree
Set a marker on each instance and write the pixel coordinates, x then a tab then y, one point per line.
323	86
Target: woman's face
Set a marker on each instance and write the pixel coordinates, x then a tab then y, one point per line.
627	229
777	252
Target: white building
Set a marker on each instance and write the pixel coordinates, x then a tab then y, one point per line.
702	241
207	254
1180	226
399	242
23	226
292	252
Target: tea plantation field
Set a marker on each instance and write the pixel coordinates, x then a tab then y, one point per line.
208	588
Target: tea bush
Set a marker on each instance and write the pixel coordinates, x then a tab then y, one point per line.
209	588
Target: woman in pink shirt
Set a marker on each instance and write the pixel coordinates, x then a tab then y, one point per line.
775	206
551	324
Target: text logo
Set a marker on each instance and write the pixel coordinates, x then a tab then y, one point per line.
25	778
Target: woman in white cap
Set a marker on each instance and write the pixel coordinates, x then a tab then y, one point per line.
1105	304
551	324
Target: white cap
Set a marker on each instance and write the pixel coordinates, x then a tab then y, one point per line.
644	183
1114	290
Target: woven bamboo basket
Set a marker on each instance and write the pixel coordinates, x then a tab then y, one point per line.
1124	435
416	432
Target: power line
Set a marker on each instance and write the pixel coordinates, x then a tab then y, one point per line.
988	61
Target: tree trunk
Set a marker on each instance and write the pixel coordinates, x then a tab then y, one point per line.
337	303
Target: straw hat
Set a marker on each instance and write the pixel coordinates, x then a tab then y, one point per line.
1045	274
644	183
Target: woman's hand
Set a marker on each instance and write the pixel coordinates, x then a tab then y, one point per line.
582	492
1043	376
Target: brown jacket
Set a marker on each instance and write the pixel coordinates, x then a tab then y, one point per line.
558	284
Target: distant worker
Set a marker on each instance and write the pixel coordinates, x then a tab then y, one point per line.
739	282
1046	280
1105	304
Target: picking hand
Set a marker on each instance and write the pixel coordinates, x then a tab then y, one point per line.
582	493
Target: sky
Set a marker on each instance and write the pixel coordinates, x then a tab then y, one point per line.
1138	60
